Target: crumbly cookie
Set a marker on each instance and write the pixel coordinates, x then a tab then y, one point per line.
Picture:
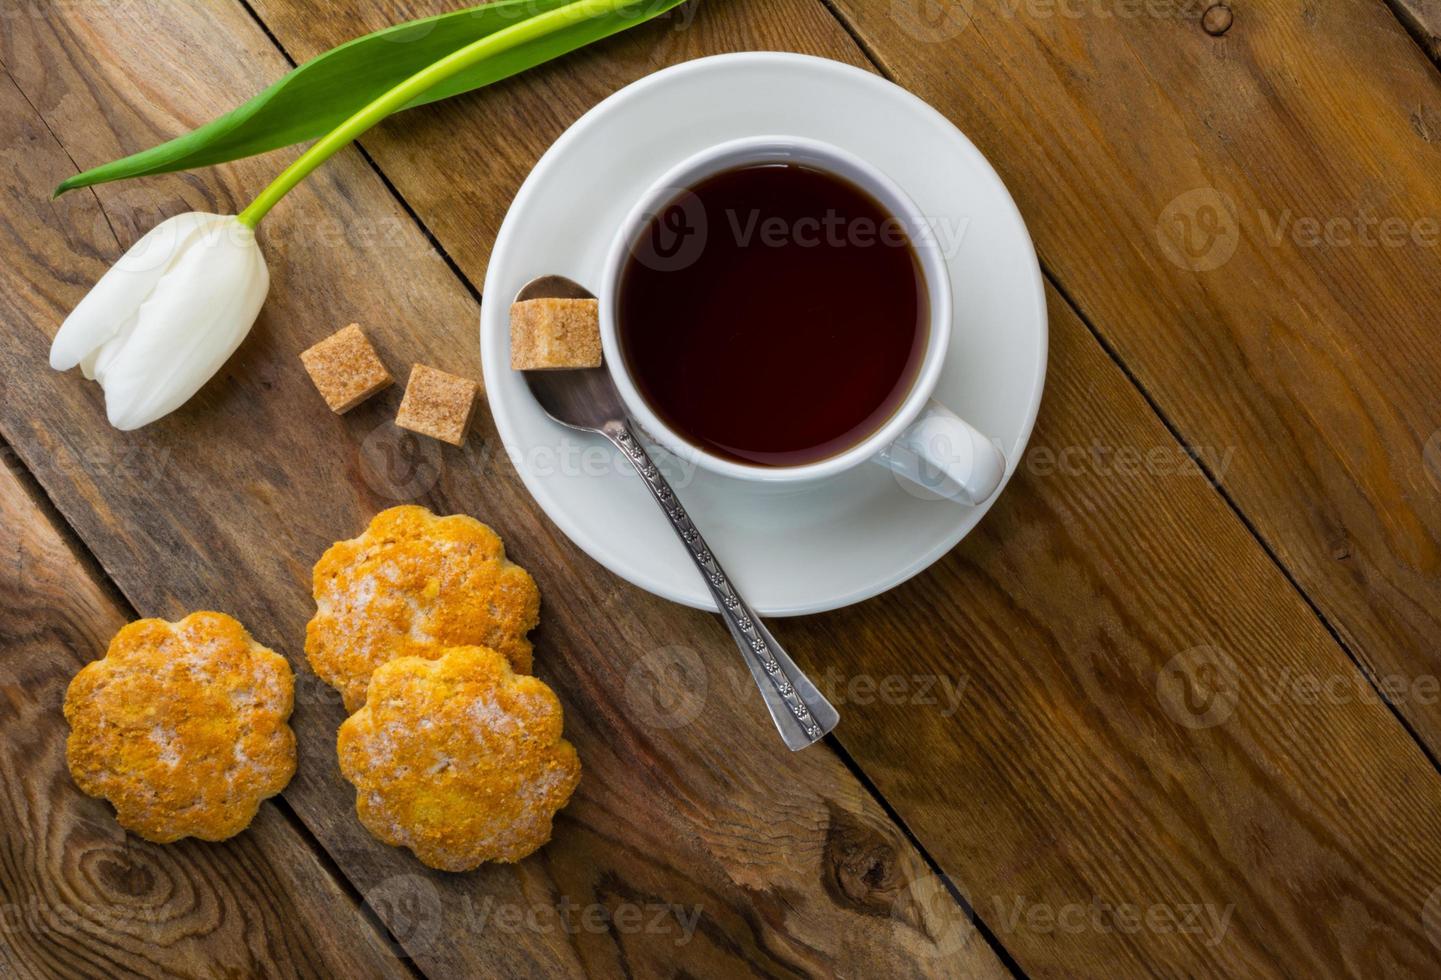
182	727
458	758
412	584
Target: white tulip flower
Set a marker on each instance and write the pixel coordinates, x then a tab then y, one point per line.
164	318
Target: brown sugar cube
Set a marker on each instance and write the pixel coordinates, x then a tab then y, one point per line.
554	333
437	404
345	369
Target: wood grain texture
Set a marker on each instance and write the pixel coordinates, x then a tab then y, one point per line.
701	843
78	896
1253	223
1085	625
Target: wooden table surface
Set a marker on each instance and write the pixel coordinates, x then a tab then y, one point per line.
1172	709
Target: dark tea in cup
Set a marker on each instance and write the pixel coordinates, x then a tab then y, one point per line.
773	314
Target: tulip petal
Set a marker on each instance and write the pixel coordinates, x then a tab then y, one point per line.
113	301
195	317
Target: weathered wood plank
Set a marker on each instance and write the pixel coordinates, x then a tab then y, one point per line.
705	845
1067	775
1252	222
77	894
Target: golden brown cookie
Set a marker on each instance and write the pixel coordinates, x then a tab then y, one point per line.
412	584
182	727
459	759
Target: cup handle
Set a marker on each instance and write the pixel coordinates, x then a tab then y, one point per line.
943	453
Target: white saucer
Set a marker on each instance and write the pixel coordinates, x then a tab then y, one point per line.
791	550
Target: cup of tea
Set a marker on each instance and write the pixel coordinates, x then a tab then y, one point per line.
776	309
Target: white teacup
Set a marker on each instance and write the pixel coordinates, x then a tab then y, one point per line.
923	441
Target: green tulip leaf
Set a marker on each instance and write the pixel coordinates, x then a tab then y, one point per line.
318	96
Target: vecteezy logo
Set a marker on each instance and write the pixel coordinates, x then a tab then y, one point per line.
409	907
932	20
666	688
925	477
673	236
1431	918
1199	687
1199	230
927	905
1431	458
399	465
410	33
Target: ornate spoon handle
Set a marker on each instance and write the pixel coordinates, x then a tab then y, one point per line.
801	713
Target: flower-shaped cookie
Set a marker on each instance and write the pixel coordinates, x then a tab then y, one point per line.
182	727
412	584
459	759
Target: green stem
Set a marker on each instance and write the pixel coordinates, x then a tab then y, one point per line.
403	93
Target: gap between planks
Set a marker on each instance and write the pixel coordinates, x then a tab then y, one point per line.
985	931
1416	31
1422	20
40	116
